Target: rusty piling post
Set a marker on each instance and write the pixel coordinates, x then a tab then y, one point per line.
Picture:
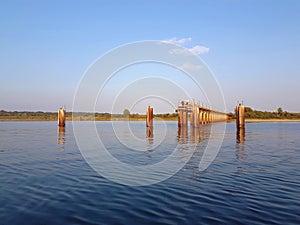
61	117
149	117
240	116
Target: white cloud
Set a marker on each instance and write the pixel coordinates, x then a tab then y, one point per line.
197	49
176	41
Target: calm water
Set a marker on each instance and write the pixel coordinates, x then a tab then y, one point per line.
45	180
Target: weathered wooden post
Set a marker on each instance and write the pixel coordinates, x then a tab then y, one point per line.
149	117
240	116
61	117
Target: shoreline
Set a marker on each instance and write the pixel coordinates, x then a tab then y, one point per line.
142	119
270	120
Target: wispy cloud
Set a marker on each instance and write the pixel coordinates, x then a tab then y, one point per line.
199	49
176	41
183	42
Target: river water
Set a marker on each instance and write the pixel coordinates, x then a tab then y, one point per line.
253	180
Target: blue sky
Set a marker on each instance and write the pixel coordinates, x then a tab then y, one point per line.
46	46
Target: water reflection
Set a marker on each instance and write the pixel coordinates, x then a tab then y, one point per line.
182	135
149	135
61	138
240	140
240	135
193	135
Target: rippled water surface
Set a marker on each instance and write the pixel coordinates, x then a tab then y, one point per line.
253	180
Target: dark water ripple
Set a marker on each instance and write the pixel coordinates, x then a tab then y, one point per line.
45	180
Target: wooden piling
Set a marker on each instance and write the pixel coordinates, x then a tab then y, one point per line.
149	117
61	117
240	116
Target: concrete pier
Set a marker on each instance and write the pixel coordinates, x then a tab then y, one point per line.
198	115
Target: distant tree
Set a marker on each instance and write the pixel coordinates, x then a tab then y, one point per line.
248	109
279	111
126	113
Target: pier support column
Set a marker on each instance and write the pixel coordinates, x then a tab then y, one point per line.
196	117
210	117
200	116
149	117
205	117
61	117
182	118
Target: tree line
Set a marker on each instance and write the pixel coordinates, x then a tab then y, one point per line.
39	115
279	114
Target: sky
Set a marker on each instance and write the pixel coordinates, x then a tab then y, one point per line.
251	47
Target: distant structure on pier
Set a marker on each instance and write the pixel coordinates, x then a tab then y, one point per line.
198	115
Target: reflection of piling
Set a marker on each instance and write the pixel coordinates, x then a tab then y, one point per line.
192	115
61	135
149	117
183	134
240	135
61	117
182	118
195	135
240	116
149	132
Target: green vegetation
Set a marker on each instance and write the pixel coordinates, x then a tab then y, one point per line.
279	114
80	116
84	116
25	115
126	113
